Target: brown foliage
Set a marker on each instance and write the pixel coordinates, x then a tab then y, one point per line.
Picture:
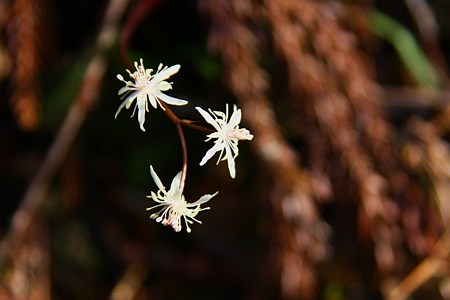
332	95
24	37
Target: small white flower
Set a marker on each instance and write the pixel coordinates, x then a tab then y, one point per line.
227	135
147	88
174	206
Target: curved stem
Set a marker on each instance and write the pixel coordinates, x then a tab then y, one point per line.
184	149
138	14
179	123
140	11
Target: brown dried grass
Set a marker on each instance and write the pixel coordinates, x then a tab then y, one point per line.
337	105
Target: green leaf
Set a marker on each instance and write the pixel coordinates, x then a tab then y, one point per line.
408	50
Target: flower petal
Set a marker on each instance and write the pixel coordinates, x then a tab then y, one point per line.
164	86
208	118
157	180
131	98
235	118
125	102
175	186
152	100
125	89
203	199
210	153
170	100
141	114
231	164
164	74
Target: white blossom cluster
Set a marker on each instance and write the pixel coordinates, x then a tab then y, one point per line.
145	88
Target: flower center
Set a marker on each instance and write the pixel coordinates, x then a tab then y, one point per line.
239	134
141	79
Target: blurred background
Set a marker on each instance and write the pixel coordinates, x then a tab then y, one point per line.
342	194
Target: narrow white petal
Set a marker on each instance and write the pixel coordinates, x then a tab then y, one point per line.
154	197
203	199
119	109
121	106
220	114
131	98
156	179
134	110
140	99
170	100
164	86
125	89
235	118
208	118
231	165
163	75
217	147
141	114
152	100
175	186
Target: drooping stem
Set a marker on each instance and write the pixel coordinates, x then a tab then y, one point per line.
179	123
184	150
138	14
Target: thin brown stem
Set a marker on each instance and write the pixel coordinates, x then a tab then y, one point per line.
179	123
184	149
186	123
139	13
190	124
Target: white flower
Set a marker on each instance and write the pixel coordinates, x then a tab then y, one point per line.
147	87
227	135
174	206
